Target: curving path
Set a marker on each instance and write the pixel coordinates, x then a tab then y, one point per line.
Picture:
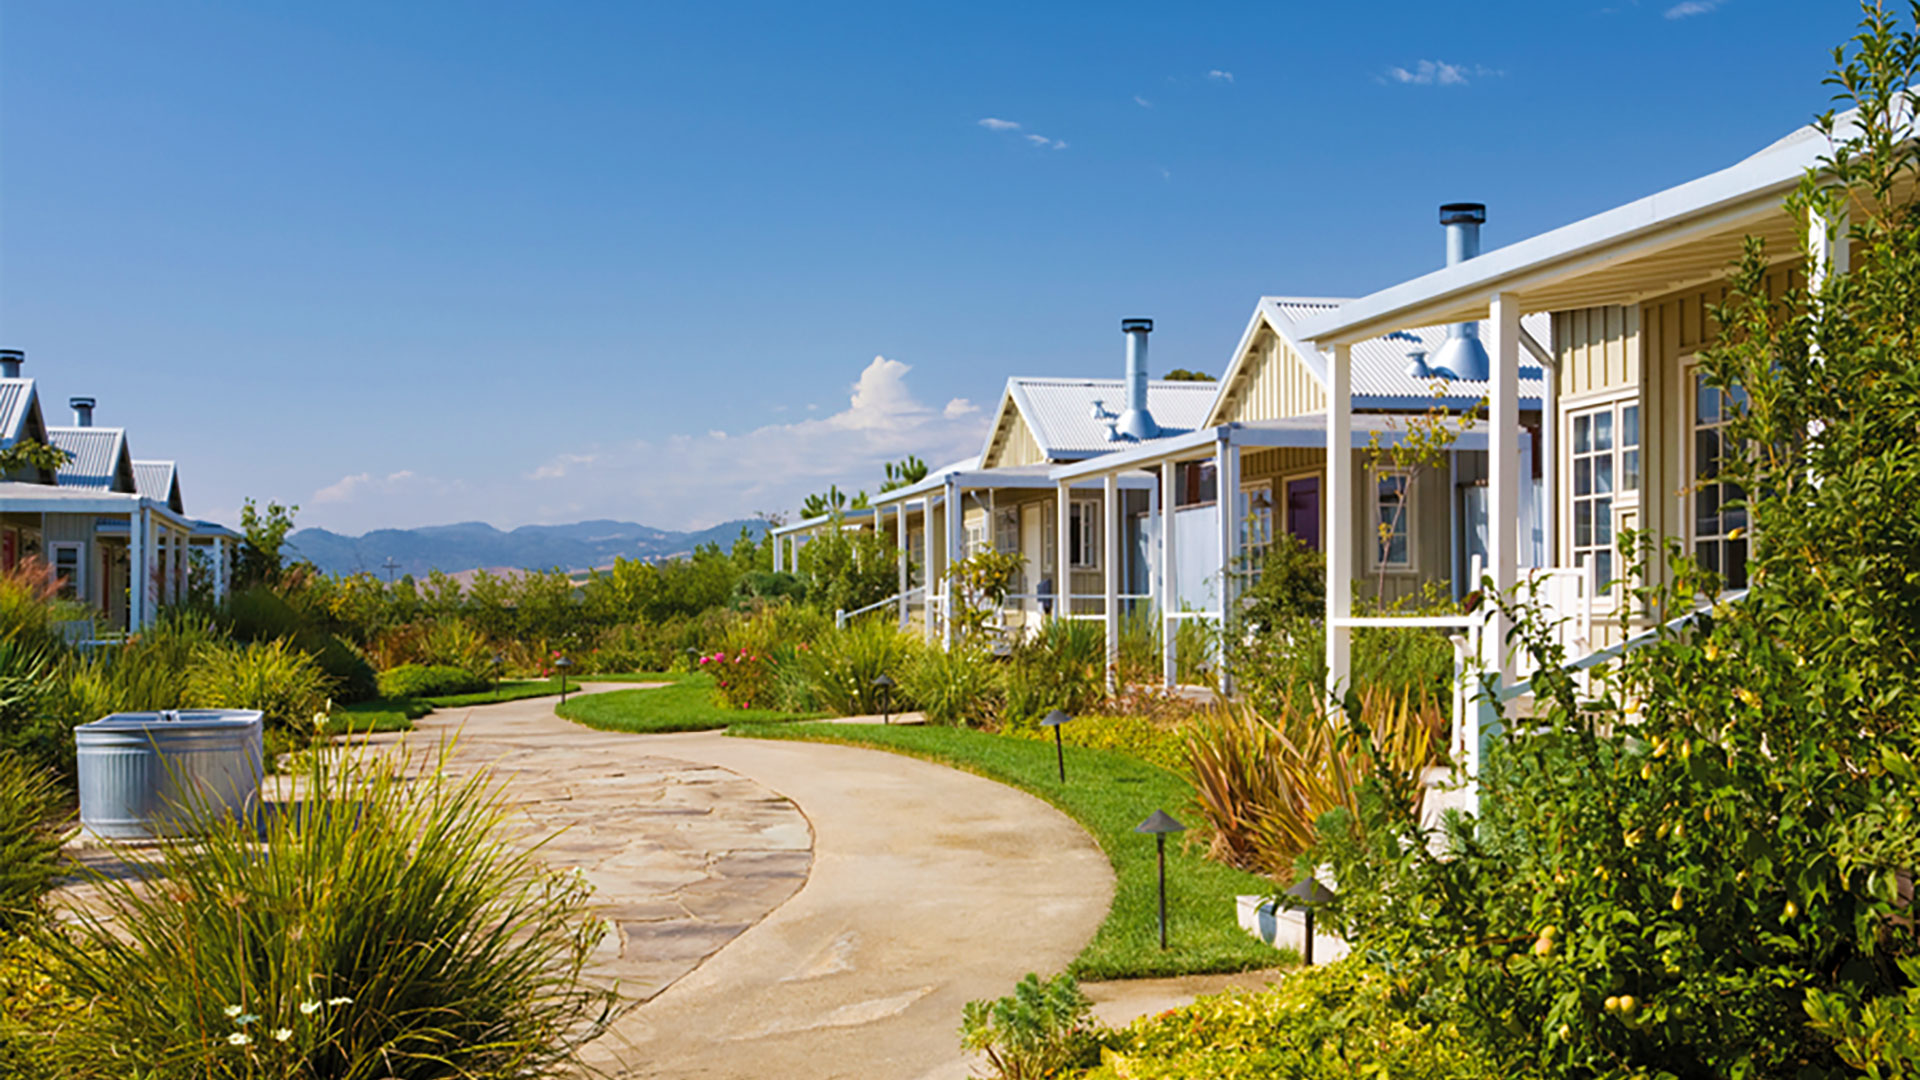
927	888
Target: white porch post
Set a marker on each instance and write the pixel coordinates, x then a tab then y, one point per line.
1503	466
1827	248
176	565
1151	523
1226	471
1169	577
219	569
1062	559
136	568
1110	538
900	546
956	515
1340	520
928	580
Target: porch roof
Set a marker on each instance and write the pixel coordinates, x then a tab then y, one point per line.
23	498
1688	234
1297	432
1011	478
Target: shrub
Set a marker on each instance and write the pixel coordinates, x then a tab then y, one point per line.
420	681
456	643
1041	1030
397	931
29	726
260	614
1155	740
30	806
281	681
1061	667
741	680
1322	1023
842	665
36	1006
1262	785
956	686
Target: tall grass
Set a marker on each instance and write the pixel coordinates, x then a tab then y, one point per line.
30	805
1061	667
389	927
956	686
841	666
281	681
1262	784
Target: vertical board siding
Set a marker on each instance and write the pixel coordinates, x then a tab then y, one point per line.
1272	383
1016	447
1597	349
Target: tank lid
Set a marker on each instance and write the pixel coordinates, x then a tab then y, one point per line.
176	719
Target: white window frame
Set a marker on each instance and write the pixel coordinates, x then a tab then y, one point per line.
1376	557
1622	498
77	581
1083	530
1692	427
979	530
1256	542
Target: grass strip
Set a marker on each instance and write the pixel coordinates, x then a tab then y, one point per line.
398	714
686	705
1108	793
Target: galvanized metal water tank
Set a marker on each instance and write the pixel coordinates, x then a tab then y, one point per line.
141	772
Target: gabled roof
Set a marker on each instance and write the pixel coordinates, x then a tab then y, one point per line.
160	481
1380	379
1686	235
100	458
1060	413
20	416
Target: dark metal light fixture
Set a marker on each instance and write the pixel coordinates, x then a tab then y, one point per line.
561	665
885	684
1054	719
499	661
1307	895
1160	826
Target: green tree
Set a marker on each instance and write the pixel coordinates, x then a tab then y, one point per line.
1181	374
262	551
906	472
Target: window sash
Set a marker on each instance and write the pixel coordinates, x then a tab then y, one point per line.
1393	519
1083	534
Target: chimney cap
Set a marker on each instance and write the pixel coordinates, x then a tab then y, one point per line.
1463	213
81	403
15	355
1144	326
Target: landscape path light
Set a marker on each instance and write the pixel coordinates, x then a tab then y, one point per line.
1307	895
498	662
561	665
1160	826
884	684
1054	719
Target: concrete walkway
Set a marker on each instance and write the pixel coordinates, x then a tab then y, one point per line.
928	888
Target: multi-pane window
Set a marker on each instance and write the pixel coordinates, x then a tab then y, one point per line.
1083	534
1256	527
1198	482
977	535
1006	538
66	564
1392	519
1719	529
1606	469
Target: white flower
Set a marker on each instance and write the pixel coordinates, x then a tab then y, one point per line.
243	1021
239	1038
234	1010
282	1034
308	1008
340	1001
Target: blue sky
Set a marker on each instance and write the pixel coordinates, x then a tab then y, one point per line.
415	263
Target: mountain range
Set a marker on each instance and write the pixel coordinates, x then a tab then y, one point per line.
475	545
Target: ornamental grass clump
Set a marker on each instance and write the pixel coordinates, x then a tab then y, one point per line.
31	810
841	666
381	926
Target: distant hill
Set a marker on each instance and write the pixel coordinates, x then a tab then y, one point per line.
475	544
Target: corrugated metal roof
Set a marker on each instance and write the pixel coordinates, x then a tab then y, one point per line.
96	454
157	480
1059	412
16	403
1380	376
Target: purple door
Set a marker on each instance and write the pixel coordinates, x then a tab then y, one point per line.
1303	510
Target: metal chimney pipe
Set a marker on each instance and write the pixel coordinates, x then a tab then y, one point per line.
10	361
82	411
1462	356
1137	422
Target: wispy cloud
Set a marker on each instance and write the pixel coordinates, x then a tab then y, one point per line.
1218	75
1440	73
994	123
349	488
1142	102
1692	7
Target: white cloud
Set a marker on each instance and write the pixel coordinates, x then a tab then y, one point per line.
1441	73
1218	75
351	488
558	467
993	123
958	408
1692	7
1043	141
1142	102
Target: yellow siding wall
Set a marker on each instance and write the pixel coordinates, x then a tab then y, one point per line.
1014	445
1597	349
1272	383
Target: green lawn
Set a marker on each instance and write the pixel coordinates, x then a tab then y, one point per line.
1108	793
687	705
398	714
